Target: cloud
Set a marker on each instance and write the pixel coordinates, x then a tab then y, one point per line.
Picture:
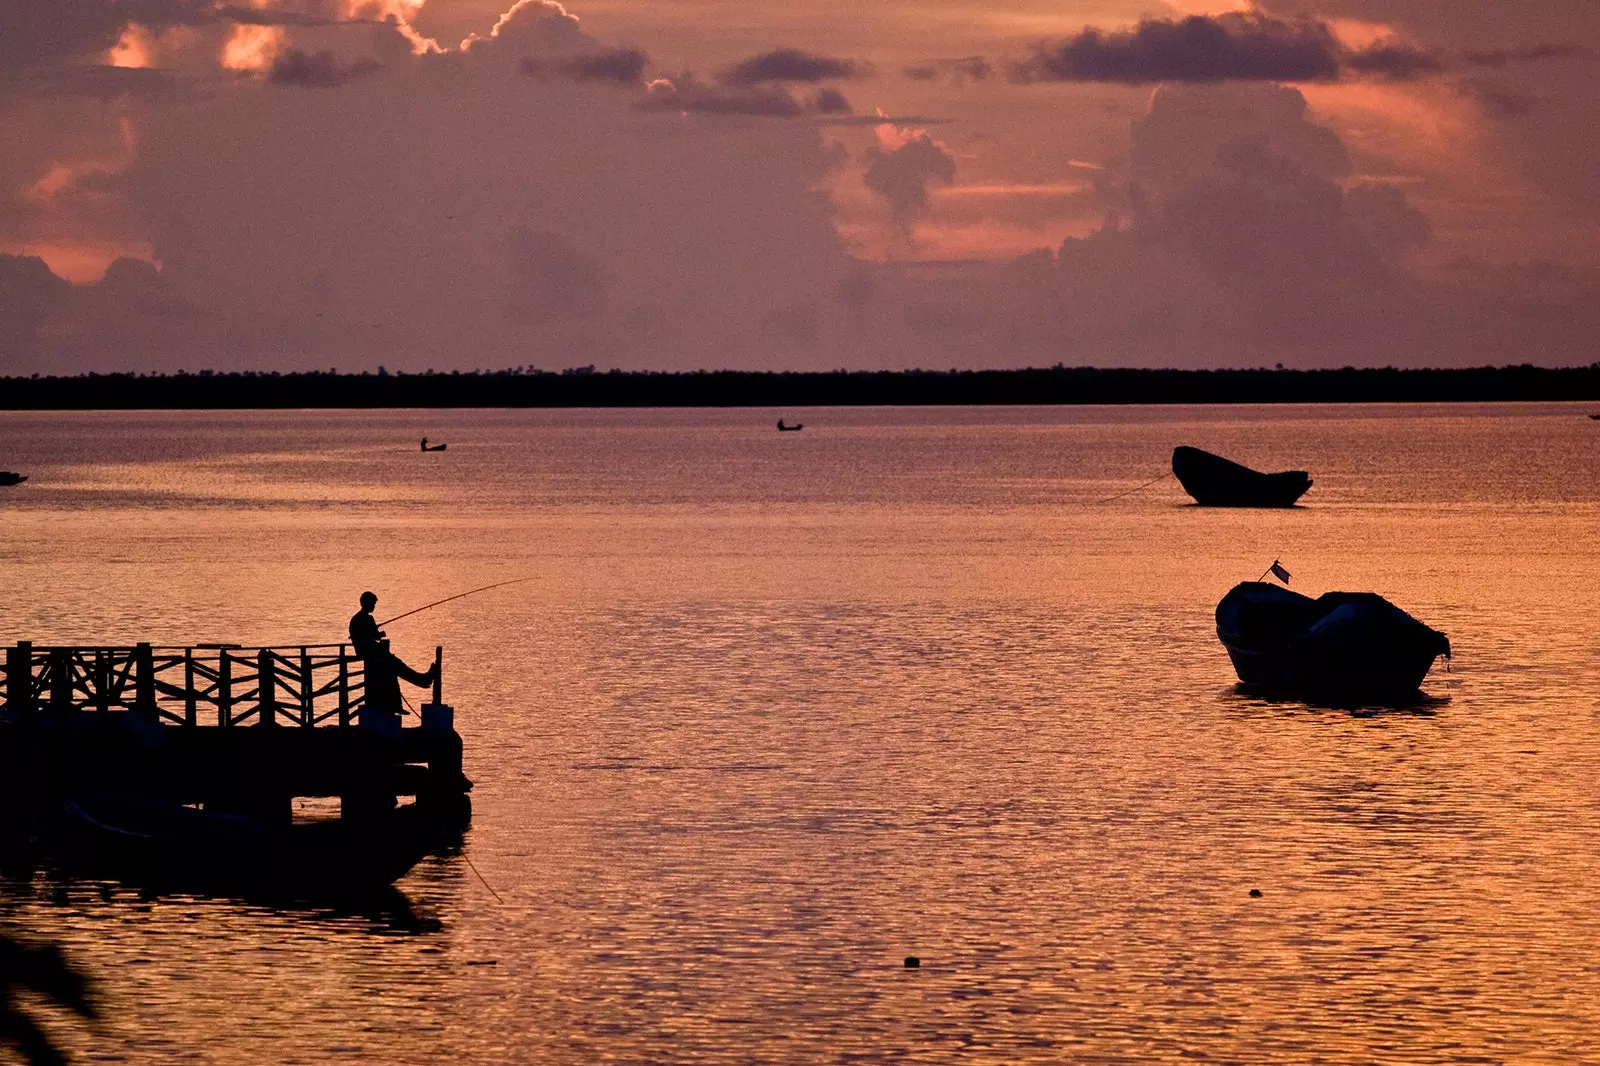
614	66
1235	46
900	173
688	94
266	16
1494	99
790	64
315	70
34	33
1395	61
551	278
966	68
1499	57
831	102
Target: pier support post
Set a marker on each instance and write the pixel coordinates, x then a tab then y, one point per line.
144	681
19	677
438	673
61	679
344	687
224	688
188	687
267	688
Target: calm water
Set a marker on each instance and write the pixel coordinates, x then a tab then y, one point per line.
776	711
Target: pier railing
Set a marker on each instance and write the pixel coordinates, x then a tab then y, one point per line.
225	685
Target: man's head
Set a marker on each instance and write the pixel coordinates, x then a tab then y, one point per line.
369	600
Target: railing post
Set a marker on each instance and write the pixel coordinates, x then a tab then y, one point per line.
144	680
188	687
308	716
438	673
61	679
224	688
19	677
266	688
344	687
102	680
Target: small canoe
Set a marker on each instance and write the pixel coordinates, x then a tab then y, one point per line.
1342	647
157	842
8	477
1217	482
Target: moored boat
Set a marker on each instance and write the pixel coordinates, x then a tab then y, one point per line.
1342	647
157	842
10	477
1217	482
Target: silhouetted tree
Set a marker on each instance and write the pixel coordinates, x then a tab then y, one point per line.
40	969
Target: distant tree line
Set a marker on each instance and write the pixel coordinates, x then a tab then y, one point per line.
585	387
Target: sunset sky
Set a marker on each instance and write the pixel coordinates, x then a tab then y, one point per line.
797	184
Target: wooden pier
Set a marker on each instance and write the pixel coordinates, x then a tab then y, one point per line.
229	728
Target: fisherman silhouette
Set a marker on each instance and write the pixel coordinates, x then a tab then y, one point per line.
384	668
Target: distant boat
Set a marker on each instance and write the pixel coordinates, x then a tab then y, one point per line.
796	428
7	477
1595	417
433	447
159	842
1217	482
1342	647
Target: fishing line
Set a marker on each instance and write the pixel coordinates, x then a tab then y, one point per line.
1131	491
486	884
457	596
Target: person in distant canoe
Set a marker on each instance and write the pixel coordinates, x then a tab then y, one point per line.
384	668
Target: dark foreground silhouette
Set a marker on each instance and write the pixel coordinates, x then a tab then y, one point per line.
1217	482
1342	648
582	387
39	969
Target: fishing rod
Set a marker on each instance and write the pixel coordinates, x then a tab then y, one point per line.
457	596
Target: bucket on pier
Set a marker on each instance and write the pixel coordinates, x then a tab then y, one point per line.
438	717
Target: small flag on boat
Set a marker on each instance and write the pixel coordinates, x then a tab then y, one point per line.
1279	572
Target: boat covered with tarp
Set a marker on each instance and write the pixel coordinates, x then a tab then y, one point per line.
1217	482
1341	647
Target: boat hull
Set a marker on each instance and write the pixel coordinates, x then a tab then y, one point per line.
8	477
1342	648
1217	482
153	842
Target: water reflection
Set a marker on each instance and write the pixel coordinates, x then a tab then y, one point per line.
772	719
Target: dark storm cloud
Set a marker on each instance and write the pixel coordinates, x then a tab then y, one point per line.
791	64
1499	57
315	70
1394	61
615	66
1231	47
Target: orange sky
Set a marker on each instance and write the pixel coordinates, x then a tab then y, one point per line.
185	142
